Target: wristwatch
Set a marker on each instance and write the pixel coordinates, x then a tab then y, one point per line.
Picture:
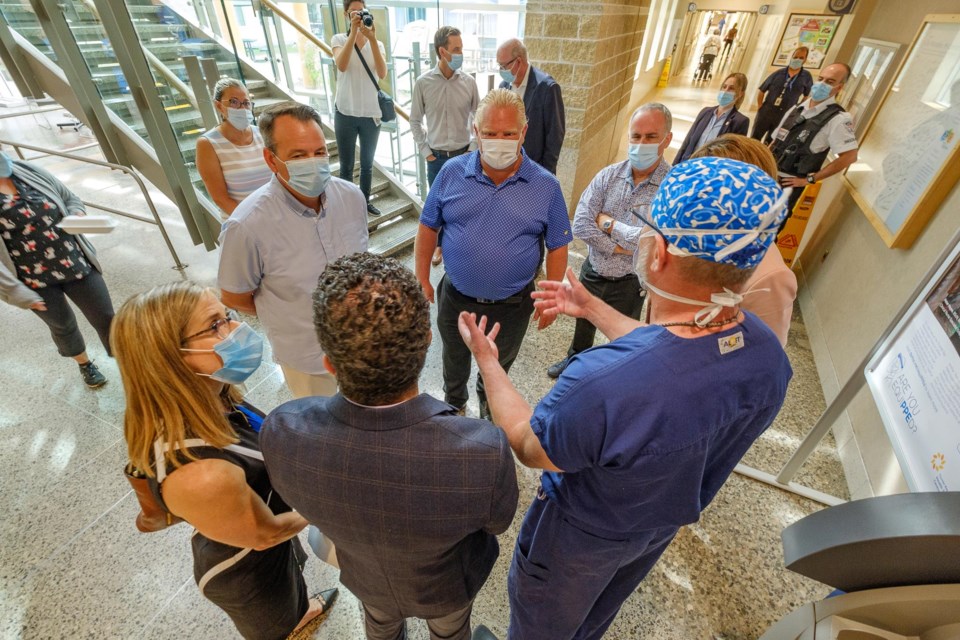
812	178
606	226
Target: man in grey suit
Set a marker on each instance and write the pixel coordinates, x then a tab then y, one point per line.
411	494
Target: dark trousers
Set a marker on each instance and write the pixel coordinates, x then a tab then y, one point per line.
348	129
705	66
381	625
434	166
92	298
514	317
567	584
766	122
623	294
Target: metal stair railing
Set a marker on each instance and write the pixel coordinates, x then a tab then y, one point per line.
155	216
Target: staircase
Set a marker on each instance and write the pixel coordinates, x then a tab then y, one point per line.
170	37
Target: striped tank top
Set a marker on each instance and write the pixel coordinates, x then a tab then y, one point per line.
243	167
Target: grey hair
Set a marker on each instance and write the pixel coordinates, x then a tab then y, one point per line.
655	106
517	48
501	98
225	83
301	112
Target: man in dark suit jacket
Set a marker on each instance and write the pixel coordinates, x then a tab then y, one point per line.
713	122
542	101
411	494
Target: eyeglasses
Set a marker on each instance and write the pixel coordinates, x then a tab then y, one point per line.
220	327
504	67
237	104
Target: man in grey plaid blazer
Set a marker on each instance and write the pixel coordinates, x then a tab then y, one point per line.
412	494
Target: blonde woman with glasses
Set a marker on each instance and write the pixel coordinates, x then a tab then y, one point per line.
180	355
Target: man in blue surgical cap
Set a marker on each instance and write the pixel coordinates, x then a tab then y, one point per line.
638	435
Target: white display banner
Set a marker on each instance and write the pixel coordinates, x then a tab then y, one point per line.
916	385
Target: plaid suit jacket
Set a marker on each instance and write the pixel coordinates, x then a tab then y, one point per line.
412	495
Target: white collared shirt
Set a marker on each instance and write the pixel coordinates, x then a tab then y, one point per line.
838	134
448	105
522	89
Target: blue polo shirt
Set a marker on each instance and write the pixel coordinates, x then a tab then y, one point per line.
648	427
491	234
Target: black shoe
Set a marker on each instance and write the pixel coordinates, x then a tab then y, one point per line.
482	633
372	210
485	411
326	598
92	376
557	368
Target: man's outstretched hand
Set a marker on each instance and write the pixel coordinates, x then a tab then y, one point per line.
481	344
569	298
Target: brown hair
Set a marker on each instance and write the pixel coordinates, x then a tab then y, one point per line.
442	37
741	82
302	112
373	322
742	148
166	399
347	3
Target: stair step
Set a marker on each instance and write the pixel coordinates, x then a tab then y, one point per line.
394	236
391	206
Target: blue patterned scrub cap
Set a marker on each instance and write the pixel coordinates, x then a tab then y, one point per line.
720	210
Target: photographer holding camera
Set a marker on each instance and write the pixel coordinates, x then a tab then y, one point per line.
358	110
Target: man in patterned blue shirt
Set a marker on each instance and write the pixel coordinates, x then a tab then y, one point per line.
494	206
606	219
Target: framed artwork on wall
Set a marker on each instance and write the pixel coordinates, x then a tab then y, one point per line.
909	156
814	31
872	64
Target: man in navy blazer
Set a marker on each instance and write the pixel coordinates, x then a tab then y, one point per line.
713	122
411	494
542	101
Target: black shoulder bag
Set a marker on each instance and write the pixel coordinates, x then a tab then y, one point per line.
387	112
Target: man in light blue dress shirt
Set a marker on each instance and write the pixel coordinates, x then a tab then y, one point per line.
606	221
282	236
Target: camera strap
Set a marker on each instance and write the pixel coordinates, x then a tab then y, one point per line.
364	62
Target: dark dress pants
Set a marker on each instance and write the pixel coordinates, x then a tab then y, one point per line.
434	166
381	625
348	129
766	122
567	584
92	298
514	318
623	294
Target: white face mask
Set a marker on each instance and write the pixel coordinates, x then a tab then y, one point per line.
240	118
499	153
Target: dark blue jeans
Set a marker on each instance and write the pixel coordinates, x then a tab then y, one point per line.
348	129
433	168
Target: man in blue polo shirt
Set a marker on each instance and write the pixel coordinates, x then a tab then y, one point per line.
495	207
638	435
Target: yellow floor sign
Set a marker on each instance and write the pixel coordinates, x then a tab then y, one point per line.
789	239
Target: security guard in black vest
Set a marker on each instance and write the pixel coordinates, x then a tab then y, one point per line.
811	130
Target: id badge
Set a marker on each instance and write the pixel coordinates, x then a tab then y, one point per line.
781	134
777	102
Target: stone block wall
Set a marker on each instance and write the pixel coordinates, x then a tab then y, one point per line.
591	49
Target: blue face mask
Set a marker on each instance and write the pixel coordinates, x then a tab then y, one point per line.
6	165
308	176
724	98
507	75
241	119
796	63
644	156
456	61
820	91
241	352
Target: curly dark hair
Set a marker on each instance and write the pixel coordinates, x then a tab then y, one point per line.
373	322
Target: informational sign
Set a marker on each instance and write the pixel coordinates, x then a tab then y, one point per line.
788	241
815	32
916	385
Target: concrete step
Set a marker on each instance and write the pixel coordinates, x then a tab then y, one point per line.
391	206
394	236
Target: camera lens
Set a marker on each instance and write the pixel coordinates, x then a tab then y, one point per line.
367	18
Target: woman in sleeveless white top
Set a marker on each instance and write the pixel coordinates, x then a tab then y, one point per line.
230	156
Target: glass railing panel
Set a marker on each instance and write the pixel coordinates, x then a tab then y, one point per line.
19	16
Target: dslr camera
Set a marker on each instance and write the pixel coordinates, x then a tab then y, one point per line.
366	18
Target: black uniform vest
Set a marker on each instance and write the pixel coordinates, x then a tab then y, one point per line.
793	152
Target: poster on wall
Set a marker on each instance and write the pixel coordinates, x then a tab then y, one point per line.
916	385
813	31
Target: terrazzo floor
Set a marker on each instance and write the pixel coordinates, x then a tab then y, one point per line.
73	565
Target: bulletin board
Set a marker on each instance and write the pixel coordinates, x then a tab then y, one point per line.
810	30
909	156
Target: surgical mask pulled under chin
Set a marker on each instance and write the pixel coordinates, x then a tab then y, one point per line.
309	176
240	118
241	352
499	154
644	156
